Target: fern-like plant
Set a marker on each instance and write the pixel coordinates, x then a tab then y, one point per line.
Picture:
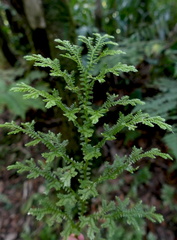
164	104
63	202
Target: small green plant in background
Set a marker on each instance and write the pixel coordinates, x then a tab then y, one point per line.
165	105
14	101
71	185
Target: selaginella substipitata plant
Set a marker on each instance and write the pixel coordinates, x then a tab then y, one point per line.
61	202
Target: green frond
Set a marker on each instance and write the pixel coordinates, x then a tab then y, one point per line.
69	228
150	121
39	60
49	209
170	140
110	132
74	53
55	71
87	190
27	166
110	101
137	154
34	171
112	171
109	52
65	175
65	45
66	200
129	212
23	87
116	70
125	100
33	143
121	164
50	156
131	121
89	222
94	51
15	129
91	152
103	40
96	115
85	131
164	103
71	114
21	166
52	141
54	65
111	225
152	216
168	196
51	185
52	99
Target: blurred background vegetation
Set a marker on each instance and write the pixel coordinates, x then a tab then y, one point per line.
147	31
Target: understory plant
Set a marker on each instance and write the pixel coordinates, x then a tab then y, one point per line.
71	184
13	101
164	104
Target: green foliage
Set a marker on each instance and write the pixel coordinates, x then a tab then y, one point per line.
168	195
143	176
141	20
83	14
171	141
164	103
14	101
64	202
44	233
